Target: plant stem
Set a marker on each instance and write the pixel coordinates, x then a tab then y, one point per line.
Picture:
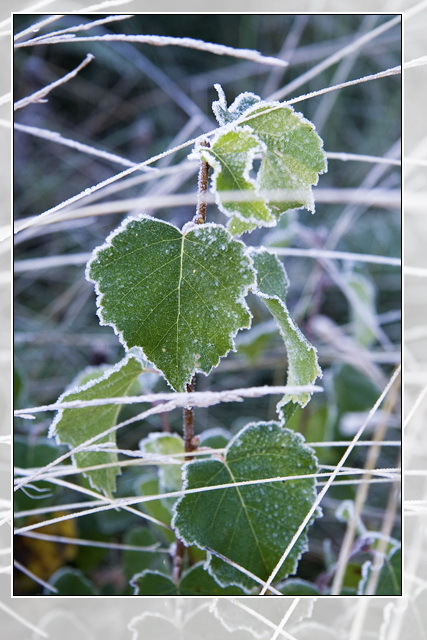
190	445
190	441
200	217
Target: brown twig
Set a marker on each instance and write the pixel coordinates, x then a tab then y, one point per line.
190	440
200	217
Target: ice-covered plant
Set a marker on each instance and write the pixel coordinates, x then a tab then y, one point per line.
176	298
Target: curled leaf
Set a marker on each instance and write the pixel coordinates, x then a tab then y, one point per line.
303	367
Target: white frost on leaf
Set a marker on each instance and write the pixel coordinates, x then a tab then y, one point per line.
150	267
303	366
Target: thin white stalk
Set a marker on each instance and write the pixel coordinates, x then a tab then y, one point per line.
110	502
26	223
155	548
82	27
335	57
375	76
416	62
384	477
33	576
42	93
53	508
242	569
120	503
51	262
360	157
90	190
388	473
177	400
141	416
336	255
388	199
35	28
413	11
162	41
55	136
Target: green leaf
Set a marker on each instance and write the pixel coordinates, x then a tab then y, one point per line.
291	157
298	587
242	103
149	486
390	578
363	316
153	583
231	156
70	582
251	525
216	438
303	367
177	295
134	561
170	475
75	426
195	581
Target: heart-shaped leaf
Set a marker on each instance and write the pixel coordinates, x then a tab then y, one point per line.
177	295
250	525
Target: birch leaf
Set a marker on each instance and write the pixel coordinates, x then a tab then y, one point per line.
75	426
303	367
250	525
291	158
179	296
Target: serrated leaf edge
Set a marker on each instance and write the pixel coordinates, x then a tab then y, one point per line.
319	374
208	156
188	228
221	103
76	388
133	580
202	152
209	556
72	388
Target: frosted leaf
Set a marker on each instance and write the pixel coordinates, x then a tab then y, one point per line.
242	103
251	525
179	296
75	426
291	159
303	367
166	444
195	581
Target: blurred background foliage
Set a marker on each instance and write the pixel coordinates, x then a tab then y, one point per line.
137	101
